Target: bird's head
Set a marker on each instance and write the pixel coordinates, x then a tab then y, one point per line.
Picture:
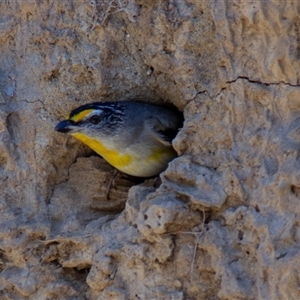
94	120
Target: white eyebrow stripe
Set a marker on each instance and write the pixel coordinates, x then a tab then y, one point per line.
96	112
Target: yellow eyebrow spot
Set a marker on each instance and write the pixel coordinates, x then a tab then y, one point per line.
81	115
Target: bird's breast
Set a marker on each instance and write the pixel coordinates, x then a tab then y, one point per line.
114	157
141	162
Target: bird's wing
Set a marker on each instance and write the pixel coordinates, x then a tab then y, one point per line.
164	129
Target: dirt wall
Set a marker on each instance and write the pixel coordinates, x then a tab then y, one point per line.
224	224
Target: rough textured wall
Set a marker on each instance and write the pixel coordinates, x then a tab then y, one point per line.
224	224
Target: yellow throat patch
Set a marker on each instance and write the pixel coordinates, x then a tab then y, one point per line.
112	156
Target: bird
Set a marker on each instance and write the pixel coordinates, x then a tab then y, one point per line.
134	137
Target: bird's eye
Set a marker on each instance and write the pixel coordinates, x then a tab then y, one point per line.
95	119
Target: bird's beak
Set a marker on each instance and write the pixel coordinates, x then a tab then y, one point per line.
66	126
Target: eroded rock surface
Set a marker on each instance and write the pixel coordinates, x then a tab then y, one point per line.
224	224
